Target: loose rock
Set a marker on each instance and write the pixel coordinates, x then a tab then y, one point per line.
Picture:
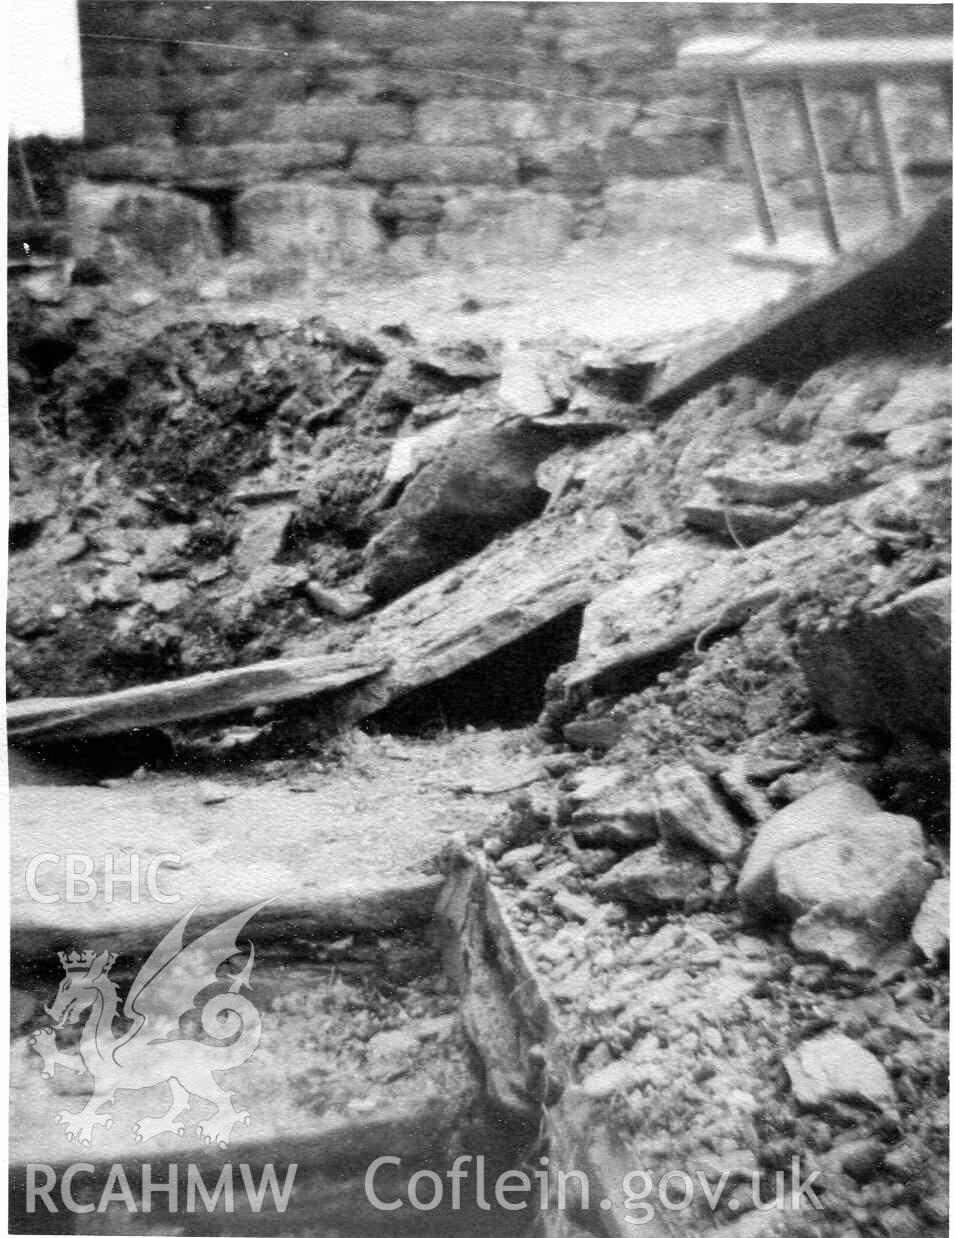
832	1067
930	932
653	879
688	811
851	881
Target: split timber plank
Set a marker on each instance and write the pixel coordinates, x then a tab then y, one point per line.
511	588
48	719
901	281
508	590
837	62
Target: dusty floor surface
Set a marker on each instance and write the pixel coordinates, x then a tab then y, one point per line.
132	435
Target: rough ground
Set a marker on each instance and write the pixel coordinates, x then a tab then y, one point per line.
772	525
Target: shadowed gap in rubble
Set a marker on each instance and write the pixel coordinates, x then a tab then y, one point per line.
505	688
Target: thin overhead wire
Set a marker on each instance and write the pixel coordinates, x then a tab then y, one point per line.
461	73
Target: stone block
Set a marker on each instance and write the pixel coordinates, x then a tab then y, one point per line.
309	221
248	163
437	164
161	160
126	95
594	120
469	56
108	59
323	120
223	126
647	154
887	667
122	223
574	170
385	83
247	86
473	121
600	56
108	128
486	227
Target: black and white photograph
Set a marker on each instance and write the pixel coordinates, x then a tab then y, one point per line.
477	618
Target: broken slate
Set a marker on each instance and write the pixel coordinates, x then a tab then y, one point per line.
654	879
343	603
262	536
887	667
689	811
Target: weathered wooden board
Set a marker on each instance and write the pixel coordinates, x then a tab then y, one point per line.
508	590
214	692
511	588
899	282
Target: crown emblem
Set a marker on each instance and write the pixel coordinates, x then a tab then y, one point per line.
81	961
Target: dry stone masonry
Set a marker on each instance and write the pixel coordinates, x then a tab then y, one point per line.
471	132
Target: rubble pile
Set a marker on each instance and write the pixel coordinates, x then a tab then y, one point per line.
700	918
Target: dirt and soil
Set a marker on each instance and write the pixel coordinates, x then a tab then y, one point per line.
180	476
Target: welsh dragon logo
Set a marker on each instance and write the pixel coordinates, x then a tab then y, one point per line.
155	1049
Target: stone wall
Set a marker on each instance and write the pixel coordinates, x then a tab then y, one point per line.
433	122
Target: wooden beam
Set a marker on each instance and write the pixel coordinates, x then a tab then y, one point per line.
750	161
46	719
817	169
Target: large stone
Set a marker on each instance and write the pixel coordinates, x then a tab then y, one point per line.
442	165
160	160
489	225
654	879
249	163
324	121
469	121
818	815
832	1067
310	221
481	485
689	811
851	878
886	667
130	224
859	891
